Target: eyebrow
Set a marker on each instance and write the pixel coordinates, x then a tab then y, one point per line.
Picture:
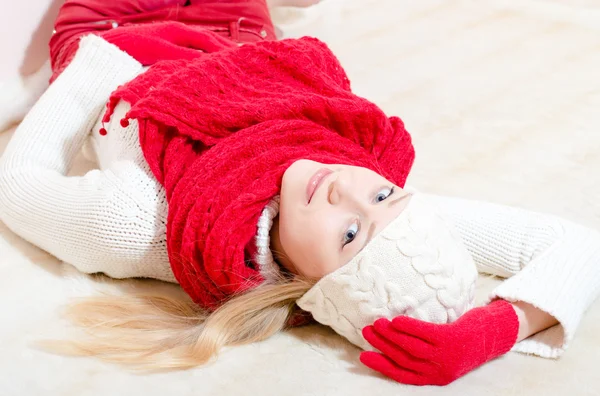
395	201
373	224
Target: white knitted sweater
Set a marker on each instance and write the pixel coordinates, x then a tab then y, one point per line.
113	219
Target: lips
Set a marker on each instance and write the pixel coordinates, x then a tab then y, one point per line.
315	181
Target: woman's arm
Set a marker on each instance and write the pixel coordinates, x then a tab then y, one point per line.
531	320
416	352
86	221
553	266
554	270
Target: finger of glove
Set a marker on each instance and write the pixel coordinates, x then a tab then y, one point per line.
411	344
378	362
418	329
397	353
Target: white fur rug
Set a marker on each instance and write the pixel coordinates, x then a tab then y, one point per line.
503	100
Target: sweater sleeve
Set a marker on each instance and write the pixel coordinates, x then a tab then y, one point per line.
551	263
77	219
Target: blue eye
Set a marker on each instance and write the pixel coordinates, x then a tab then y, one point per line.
351	233
384	194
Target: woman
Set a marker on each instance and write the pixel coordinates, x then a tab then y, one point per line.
219	158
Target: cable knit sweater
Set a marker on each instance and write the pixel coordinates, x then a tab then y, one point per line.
112	219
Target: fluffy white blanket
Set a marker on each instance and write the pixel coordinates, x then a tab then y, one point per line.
503	100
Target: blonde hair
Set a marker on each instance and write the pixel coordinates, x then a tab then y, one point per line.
156	332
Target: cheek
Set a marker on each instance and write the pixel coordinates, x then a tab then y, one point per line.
307	243
300	239
293	232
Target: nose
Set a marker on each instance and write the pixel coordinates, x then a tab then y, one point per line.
343	192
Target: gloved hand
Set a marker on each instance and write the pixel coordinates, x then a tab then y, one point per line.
421	353
151	42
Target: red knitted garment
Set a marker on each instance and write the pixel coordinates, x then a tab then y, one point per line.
137	34
219	132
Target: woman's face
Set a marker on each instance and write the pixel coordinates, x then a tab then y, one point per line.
328	213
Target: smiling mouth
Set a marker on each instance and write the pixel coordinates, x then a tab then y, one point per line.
315	181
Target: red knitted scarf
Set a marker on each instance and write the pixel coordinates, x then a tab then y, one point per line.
219	132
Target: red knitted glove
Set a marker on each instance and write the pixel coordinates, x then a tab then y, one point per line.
152	42
421	353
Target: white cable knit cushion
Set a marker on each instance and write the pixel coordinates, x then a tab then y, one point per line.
416	266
